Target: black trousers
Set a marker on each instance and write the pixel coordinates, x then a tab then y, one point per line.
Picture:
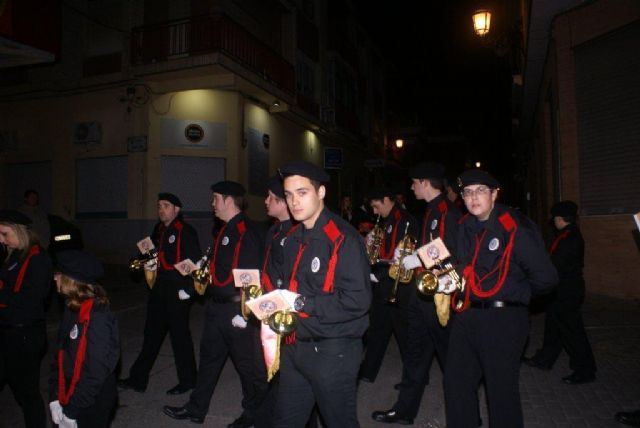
485	344
166	313
100	414
385	319
220	339
564	328
21	350
426	340
322	372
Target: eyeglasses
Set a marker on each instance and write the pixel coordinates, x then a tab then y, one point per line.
480	191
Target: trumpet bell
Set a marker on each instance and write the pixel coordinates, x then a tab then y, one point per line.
427	283
282	322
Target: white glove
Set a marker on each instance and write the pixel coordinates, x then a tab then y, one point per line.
65	422
238	322
411	261
151	265
289	297
56	412
182	295
373	278
396	255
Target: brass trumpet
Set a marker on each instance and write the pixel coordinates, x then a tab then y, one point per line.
282	322
373	247
427	281
202	276
136	264
396	271
248	292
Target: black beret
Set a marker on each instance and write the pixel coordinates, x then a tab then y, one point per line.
426	170
276	187
228	188
170	197
15	217
304	169
477	176
564	209
80	265
381	192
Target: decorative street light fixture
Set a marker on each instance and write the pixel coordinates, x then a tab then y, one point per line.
399	143
481	22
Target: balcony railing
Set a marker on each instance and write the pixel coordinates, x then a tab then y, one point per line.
208	34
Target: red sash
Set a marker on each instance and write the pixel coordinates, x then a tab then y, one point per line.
242	228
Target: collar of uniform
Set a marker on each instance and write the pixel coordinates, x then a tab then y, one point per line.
234	220
316	232
391	218
435	201
492	223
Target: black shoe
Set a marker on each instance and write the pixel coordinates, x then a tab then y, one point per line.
128	384
535	363
576	378
629	418
390	417
179	389
182	413
243	421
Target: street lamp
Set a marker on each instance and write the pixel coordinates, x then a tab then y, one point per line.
481	22
478	164
399	143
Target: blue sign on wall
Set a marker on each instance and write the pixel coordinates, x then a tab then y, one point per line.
333	158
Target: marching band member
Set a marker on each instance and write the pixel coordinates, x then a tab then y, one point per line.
226	333
82	385
386	318
168	307
426	337
25	278
328	273
503	259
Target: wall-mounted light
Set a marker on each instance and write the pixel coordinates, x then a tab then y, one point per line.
275	104
478	164
481	22
399	143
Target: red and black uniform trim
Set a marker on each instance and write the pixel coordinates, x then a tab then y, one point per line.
177	224
34	250
474	282
556	242
396	218
241	228
264	276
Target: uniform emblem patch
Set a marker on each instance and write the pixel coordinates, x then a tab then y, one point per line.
390	228
433	252
73	334
315	265
225	240
434	223
282	241
494	244
172	239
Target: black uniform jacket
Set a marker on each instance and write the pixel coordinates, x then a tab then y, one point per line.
567	253
101	357
24	285
238	245
272	274
440	220
394	226
341	311
529	269
174	243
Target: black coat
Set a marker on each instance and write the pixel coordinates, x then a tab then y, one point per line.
176	242
101	358
530	271
272	274
22	303
393	225
342	311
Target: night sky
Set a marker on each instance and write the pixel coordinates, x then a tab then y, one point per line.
443	78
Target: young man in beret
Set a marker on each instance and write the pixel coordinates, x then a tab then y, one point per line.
327	272
426	337
563	321
175	240
503	260
386	318
237	246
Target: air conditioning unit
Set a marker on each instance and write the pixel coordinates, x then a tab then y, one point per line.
87	133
